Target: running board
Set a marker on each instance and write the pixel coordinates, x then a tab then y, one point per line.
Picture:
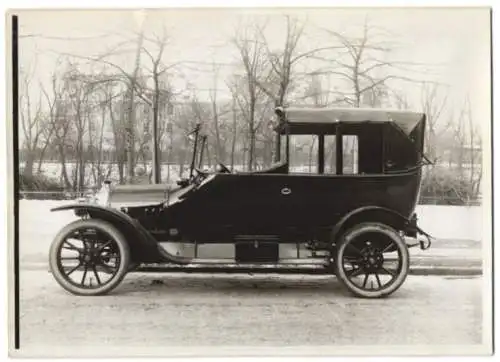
286	262
228	268
228	252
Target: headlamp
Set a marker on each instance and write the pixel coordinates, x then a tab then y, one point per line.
102	196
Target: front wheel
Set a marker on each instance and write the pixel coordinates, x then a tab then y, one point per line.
89	257
371	260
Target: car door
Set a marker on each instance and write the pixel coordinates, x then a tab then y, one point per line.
304	199
244	202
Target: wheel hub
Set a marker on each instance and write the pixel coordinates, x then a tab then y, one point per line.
372	259
93	256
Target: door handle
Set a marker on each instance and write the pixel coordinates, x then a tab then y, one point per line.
286	191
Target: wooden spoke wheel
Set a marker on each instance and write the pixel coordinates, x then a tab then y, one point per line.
371	260
89	257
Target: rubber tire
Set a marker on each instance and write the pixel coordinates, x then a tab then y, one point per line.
355	232
117	237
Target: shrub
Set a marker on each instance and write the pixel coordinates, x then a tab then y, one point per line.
446	187
43	187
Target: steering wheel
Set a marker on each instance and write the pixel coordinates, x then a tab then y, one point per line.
223	168
198	176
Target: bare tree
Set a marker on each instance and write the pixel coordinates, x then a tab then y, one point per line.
144	82
33	124
59	121
476	150
159	94
234	129
78	99
132	84
246	89
433	106
468	147
276	84
219	149
104	98
281	76
118	120
364	64
97	130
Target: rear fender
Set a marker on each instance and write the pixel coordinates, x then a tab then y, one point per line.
143	246
370	214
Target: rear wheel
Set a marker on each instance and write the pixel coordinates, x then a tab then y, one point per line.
89	257
371	260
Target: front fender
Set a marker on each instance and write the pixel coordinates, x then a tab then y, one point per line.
93	210
143	245
370	213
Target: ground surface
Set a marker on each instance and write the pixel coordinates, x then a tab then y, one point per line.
165	310
192	310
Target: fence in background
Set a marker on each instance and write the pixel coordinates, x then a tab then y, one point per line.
448	201
52	195
72	195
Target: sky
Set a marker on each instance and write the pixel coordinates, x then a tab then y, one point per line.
454	43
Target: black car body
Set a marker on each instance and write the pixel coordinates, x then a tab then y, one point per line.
278	216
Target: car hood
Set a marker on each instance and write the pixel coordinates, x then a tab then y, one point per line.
150	194
141	195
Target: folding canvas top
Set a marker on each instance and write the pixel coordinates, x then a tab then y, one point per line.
306	117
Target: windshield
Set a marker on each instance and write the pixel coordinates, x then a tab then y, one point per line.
198	147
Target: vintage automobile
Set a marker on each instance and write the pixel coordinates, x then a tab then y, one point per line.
355	221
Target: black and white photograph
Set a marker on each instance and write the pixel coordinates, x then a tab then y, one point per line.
250	181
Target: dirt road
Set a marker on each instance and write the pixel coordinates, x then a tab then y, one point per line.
166	310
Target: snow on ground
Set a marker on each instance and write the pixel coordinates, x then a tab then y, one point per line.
451	222
172	172
38	226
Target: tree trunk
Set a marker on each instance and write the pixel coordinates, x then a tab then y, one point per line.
100	148
64	171
121	171
29	163
183	158
156	159
233	138
170	150
218	147
233	148
42	155
81	171
251	149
